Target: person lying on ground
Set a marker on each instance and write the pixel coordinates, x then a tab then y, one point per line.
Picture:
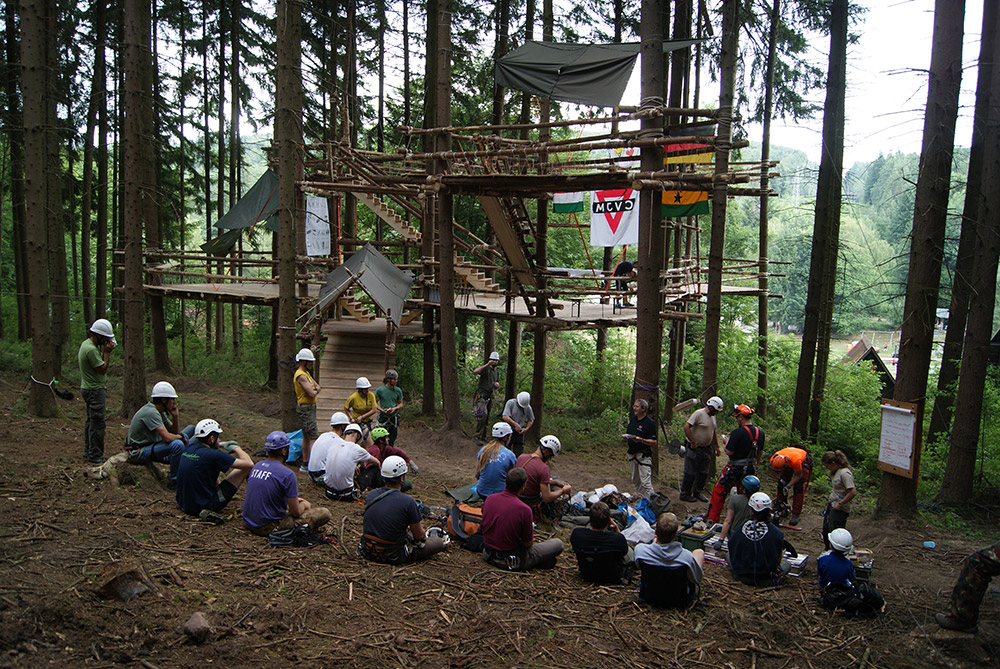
541	490
392	531
494	460
154	434
327	441
199	490
272	499
508	532
601	549
370	476
342	466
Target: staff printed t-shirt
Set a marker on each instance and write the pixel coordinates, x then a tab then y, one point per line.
269	486
300	392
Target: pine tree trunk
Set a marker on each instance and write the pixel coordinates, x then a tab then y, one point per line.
41	401
957	483
288	131
898	495
220	180
101	86
86	205
15	138
207	166
134	379
235	150
961	289
58	276
428	224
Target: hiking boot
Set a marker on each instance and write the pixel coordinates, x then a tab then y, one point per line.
701	498
686	498
99	460
952	623
794	520
209	516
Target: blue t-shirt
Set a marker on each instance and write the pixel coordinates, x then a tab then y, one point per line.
834	568
198	476
493	477
269	486
390	516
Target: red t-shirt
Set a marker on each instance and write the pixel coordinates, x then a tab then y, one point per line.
506	522
538	474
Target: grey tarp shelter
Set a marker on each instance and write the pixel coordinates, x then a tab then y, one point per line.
385	283
588	74
258	205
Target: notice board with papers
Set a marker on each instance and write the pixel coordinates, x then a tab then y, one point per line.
898	440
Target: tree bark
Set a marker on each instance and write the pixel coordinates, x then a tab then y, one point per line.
206	163
288	127
58	276
220	178
235	149
957	483
898	495
41	401
428	225
15	138
961	289
101	85
86	206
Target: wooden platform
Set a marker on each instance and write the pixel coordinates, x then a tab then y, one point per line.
241	293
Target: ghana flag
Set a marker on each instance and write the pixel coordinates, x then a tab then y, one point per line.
680	203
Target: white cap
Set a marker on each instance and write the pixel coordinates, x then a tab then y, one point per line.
164	390
393	467
339	418
715	402
494	356
551	442
759	501
205	427
362	383
352	427
102	326
523	399
305	354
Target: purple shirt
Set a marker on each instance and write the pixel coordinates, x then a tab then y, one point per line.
268	488
506	522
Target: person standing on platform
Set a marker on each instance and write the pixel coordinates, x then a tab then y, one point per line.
700	432
306	390
94	356
390	400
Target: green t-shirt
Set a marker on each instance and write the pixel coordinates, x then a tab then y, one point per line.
90	359
142	430
388	397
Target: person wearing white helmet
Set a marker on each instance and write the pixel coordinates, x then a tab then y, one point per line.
489	380
342	465
389	398
518	414
701	443
391	531
494	460
306	390
199	490
272	499
154	434
361	406
370	476
94	357
640	437
756	549
327	441
541	492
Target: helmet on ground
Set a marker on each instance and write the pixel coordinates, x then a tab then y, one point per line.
751	484
502	429
102	326
353	427
205	427
495	356
742	410
276	441
391	374
841	540
163	389
362	382
339	418
305	354
379	432
523	399
393	467
760	501
715	402
778	462
551	442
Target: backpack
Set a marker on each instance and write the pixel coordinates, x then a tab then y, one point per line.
853	601
464	521
299	536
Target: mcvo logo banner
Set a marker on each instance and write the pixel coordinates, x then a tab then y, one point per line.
614	217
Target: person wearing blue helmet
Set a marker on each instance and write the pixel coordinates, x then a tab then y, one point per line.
272	499
738	507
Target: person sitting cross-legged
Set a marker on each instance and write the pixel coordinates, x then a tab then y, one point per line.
393	533
342	464
667	552
756	548
327	441
601	549
508	534
199	490
370	476
272	499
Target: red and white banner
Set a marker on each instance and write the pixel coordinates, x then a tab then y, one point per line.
614	217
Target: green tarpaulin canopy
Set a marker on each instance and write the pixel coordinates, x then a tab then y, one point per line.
257	206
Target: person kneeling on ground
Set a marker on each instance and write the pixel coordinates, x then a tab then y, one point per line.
667	552
977	571
342	464
199	491
154	434
756	549
541	491
838	588
392	530
508	534
601	550
370	476
272	499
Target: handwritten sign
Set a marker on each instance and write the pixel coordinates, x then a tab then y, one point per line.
317	226
897	443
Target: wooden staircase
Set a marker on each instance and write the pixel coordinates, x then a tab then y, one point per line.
353	306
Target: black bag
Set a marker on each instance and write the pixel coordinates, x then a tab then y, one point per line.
659	503
300	536
858	601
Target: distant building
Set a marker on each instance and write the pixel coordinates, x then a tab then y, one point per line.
863	351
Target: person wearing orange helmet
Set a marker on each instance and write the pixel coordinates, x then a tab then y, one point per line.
743	446
793	466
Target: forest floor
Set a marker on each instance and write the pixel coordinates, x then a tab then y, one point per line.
322	606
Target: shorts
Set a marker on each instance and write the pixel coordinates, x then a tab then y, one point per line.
307	420
223	494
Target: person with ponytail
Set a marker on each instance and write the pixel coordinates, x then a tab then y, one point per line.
842	491
493	461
